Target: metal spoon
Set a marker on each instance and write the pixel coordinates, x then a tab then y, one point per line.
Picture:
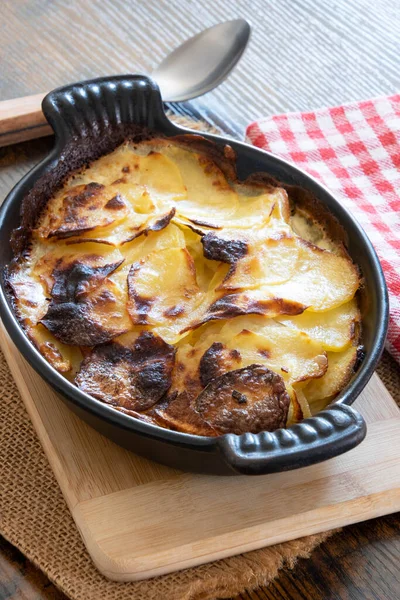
202	62
194	68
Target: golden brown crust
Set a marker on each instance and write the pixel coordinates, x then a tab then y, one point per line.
239	263
251	399
178	412
228	251
81	298
133	377
216	361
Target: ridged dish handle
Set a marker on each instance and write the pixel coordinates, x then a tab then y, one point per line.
333	431
95	107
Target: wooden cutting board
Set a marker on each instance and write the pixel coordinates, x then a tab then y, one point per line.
139	519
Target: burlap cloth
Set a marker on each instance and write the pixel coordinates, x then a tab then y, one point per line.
35	518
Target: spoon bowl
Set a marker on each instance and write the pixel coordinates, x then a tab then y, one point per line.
203	62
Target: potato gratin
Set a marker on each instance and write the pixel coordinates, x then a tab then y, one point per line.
161	285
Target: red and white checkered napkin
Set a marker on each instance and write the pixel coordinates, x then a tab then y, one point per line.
354	150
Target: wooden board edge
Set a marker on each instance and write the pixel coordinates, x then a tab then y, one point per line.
318	521
8	348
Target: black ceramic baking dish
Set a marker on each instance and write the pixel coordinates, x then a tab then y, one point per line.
89	119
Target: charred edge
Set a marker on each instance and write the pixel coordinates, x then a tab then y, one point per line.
68	315
229	306
64	235
209	367
227	251
148	368
72	324
261	391
73	201
70	283
142	305
75	158
115	203
87	240
174	311
77	199
203	224
164	221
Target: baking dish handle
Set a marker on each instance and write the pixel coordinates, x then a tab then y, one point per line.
94	108
333	431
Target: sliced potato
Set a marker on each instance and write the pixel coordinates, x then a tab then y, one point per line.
250	399
270	263
66	359
290	353
133	375
210	200
154	241
339	372
319	282
163	290
334	329
80	209
87	307
30	296
138	166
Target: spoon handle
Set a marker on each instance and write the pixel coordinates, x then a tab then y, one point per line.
22	119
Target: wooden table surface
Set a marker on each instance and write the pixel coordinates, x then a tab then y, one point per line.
303	54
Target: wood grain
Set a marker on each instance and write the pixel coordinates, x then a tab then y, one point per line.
21	119
20	580
129	510
303	55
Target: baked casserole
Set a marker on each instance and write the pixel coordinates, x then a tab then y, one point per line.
160	284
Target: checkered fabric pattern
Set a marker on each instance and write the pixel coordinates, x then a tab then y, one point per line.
354	150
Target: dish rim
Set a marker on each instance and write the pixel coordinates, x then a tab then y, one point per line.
99	409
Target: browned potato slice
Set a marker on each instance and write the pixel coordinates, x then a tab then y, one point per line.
133	376
178	412
272	262
139	166
290	353
30	297
120	197
217	360
86	307
251	302
252	399
286	277
149	185
250	226
118	234
66	359
80	209
50	259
